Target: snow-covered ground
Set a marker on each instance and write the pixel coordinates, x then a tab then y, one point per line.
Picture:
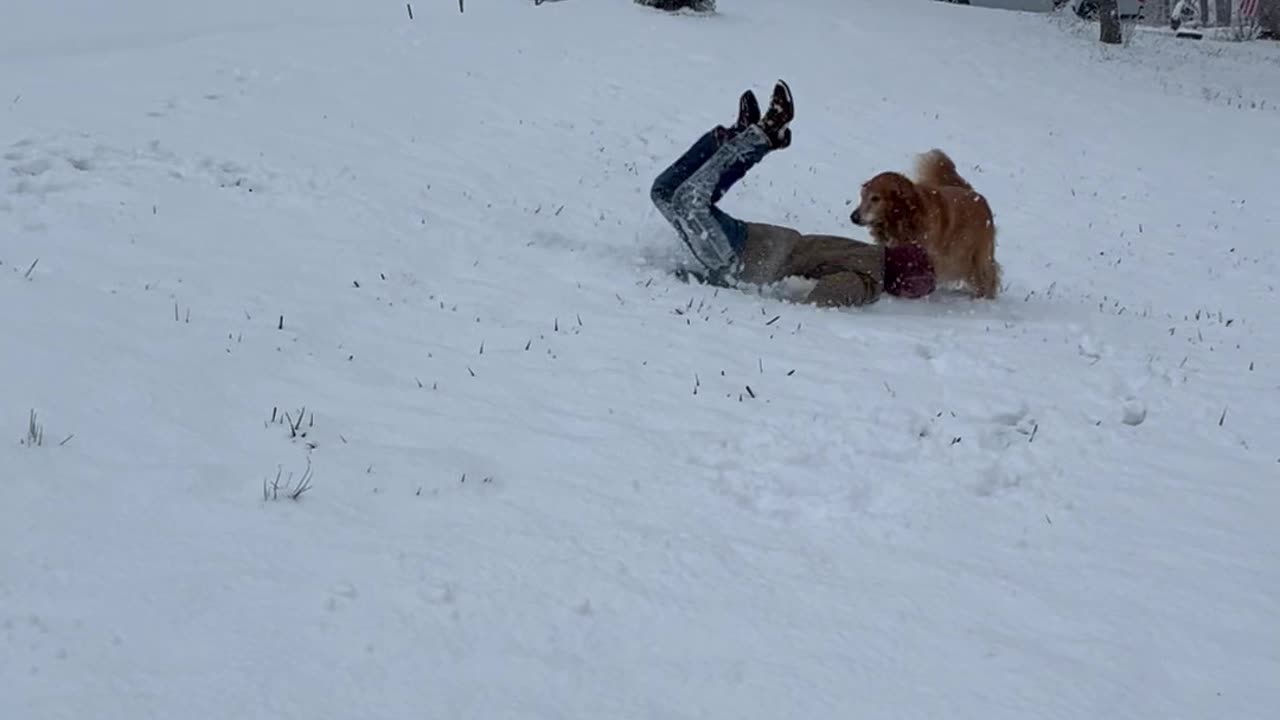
550	480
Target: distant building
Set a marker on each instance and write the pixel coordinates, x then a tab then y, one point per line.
1213	13
1028	5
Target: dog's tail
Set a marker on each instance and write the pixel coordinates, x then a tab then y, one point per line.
936	168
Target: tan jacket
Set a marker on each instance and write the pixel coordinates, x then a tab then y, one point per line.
848	272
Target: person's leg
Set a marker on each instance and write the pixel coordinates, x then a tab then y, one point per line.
686	195
702	149
666	183
716	238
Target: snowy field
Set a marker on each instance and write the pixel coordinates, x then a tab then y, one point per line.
549	480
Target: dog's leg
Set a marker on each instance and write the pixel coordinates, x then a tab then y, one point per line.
985	279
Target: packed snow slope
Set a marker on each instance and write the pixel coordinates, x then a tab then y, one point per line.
549	480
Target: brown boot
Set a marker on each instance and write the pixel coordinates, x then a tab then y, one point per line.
748	111
748	115
782	111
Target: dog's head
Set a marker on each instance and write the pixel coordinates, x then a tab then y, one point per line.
887	198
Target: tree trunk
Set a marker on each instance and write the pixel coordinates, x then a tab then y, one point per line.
673	5
1109	19
1269	19
1109	22
1222	13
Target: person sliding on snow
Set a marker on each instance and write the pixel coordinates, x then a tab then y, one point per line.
848	272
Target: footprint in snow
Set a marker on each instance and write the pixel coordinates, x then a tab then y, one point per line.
340	596
1133	412
230	174
32	168
169	106
52	167
1000	478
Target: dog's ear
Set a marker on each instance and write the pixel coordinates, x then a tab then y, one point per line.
907	197
900	201
893	209
911	199
904	208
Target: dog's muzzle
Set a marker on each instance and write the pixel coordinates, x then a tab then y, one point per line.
856	217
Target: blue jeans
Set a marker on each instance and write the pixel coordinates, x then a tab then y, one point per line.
686	194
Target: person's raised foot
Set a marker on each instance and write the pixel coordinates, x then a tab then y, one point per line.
781	112
748	111
748	115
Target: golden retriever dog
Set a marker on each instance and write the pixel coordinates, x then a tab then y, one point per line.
942	212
